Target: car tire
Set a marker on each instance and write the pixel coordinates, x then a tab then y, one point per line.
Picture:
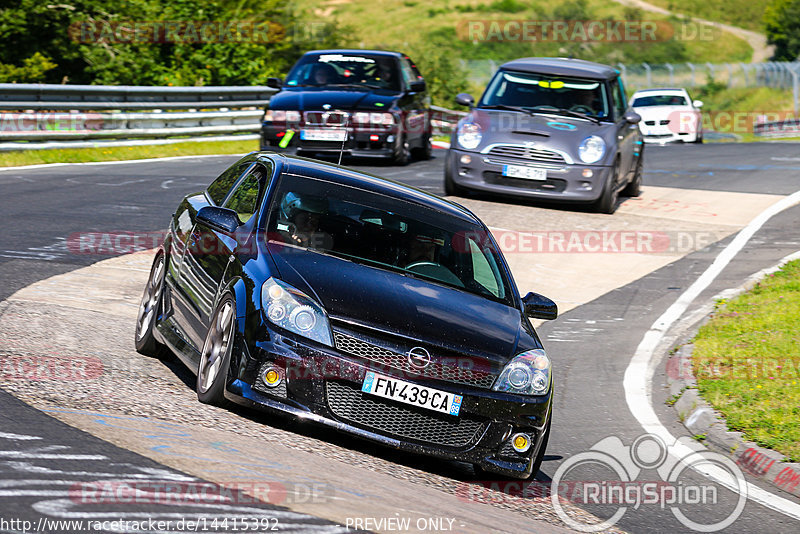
149	310
607	203
634	187
215	358
424	152
699	139
402	154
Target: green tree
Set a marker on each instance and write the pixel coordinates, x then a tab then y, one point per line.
782	21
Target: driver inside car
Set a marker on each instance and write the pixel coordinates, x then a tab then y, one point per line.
302	216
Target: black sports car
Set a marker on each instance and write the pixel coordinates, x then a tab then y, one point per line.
383	311
370	103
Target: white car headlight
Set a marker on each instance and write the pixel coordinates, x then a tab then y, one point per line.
293	310
469	135
527	373
280	115
592	149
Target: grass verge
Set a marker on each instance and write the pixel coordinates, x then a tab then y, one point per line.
747	362
82	155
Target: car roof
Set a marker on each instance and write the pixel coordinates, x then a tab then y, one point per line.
370	182
354	51
562	67
662	90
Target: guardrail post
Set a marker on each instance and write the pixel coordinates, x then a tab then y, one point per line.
649	74
671	70
795	88
711	71
744	74
730	74
691	68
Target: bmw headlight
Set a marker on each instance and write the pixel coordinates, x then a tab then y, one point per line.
526	374
469	135
293	310
280	115
363	117
592	149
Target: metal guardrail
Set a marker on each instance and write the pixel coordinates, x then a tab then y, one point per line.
53	116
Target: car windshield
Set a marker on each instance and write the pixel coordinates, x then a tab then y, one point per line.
387	233
544	93
346	69
658	100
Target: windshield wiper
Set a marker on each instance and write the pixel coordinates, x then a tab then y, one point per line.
568	112
508	108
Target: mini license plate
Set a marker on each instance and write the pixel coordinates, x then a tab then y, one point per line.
527	173
414	394
323	135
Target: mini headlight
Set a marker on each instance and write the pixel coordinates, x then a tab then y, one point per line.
592	149
469	135
293	310
527	373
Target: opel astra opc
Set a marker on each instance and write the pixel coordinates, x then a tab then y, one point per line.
331	295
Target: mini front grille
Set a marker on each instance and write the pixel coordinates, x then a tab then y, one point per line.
350	405
526	153
449	369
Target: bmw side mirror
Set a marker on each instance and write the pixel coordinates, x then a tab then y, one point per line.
539	307
275	83
222	219
418	86
632	117
465	99
697	103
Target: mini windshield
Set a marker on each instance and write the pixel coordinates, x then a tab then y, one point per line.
346	69
387	233
544	93
659	100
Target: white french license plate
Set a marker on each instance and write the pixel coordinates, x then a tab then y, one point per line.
527	173
323	135
414	394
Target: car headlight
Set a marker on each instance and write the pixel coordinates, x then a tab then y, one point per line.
362	117
469	135
280	115
526	374
293	310
592	149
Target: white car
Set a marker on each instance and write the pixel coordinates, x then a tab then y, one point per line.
668	115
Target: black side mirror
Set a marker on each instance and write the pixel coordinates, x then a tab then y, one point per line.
539	307
465	99
632	117
275	83
418	86
222	219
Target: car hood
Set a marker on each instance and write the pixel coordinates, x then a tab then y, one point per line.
412	308
544	131
649	113
315	98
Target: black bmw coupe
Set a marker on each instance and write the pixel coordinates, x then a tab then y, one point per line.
304	288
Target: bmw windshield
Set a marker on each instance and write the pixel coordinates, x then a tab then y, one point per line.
346	70
532	93
387	233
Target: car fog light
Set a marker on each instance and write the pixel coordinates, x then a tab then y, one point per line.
587	173
390	139
466	159
463	171
521	442
271	376
586	185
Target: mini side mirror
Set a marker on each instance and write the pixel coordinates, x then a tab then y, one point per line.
465	99
539	307
222	219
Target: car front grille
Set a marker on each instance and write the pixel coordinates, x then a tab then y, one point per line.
526	153
449	369
327	118
553	185
350	405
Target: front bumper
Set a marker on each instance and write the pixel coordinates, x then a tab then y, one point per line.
378	142
323	385
663	135
564	181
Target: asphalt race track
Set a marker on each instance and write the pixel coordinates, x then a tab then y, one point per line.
132	418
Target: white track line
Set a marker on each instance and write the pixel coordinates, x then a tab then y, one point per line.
639	373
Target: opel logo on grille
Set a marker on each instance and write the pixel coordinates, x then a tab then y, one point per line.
419	357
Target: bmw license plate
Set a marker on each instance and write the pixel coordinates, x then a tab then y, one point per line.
414	394
324	135
526	173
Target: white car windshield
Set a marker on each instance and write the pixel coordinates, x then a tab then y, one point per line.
659	100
